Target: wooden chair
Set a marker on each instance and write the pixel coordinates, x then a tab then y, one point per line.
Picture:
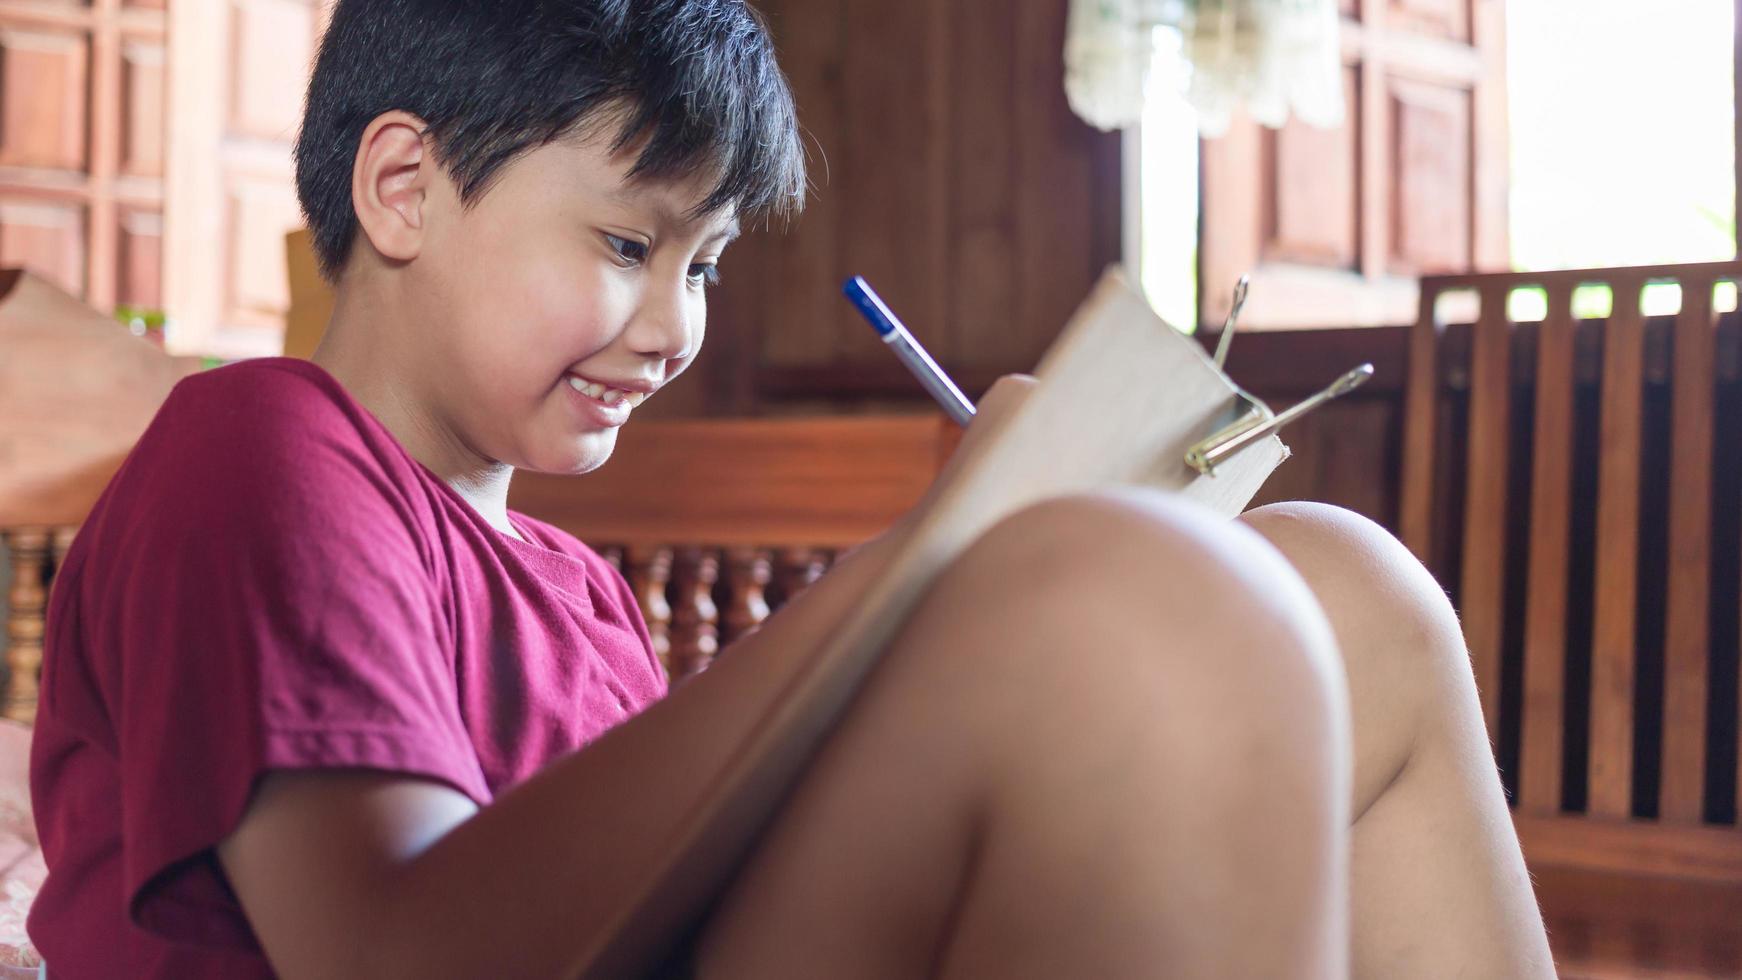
1577	485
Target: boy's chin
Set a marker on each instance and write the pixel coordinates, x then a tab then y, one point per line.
574	456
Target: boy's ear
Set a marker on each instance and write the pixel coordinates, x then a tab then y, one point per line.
390	184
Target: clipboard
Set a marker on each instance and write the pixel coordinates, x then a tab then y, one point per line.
1122	399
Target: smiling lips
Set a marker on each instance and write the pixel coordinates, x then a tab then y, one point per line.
606	393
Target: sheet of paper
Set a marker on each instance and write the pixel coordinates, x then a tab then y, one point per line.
1121	396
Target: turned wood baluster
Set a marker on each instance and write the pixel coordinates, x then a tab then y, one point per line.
63	542
795	569
29	549
613	555
649	572
695	633
747	573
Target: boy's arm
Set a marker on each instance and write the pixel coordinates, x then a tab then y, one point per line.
376	874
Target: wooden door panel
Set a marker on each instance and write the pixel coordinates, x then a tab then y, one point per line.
1312	191
139	281
47	237
230	176
82	128
42	97
143	119
271	48
1441	18
1431	178
259	291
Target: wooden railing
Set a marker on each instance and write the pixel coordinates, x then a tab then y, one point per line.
697	599
715	523
1576	485
33	553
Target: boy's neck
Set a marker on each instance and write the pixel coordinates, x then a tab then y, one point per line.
365	349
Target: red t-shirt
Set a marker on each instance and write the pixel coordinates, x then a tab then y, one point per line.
272	582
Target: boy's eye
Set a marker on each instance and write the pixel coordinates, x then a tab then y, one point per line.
705	274
628	250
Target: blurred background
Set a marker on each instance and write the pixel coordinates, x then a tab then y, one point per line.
144	164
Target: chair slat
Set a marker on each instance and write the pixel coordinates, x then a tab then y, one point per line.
1421	424
1545	627
1687	626
1484	568
1616	597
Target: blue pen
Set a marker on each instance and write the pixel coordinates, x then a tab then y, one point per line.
909	350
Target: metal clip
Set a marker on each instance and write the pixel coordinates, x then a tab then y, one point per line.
1227	339
1254	420
1259	421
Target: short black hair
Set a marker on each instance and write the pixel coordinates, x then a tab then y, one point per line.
493	79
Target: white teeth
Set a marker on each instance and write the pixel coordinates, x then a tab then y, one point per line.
609	396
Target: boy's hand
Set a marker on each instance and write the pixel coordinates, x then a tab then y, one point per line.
997	406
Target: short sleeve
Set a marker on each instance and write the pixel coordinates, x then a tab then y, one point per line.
268	578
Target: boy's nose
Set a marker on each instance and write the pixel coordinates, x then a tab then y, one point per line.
662	327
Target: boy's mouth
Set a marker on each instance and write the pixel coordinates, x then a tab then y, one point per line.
605	393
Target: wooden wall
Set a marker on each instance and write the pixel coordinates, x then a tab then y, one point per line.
949	171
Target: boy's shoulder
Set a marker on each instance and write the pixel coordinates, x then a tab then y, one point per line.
262	388
260	411
261	458
272	435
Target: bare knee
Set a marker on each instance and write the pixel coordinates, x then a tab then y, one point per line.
1149	550
1131	596
1325	541
1410	681
1367	582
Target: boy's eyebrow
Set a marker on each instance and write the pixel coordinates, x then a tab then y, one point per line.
671	218
729	233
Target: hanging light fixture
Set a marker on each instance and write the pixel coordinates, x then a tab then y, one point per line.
1274	57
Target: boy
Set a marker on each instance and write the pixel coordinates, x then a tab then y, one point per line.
317	704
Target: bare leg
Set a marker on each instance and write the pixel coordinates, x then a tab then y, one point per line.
1439	886
1111	742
